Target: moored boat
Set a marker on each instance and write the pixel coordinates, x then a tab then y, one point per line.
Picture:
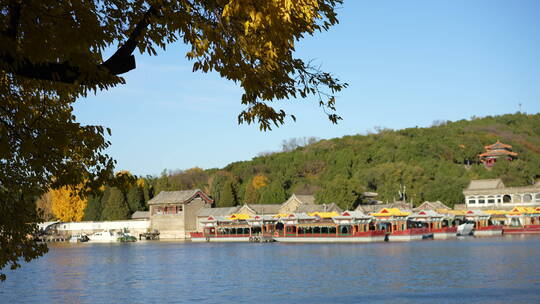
78	238
441	226
328	227
106	236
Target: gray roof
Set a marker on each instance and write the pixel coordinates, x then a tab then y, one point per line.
319	208
480	184
140	215
425	213
431	206
352	215
306	199
265	208
404	206
217	211
173	197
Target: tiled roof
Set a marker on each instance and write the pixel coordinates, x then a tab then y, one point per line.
225	211
375	208
306	199
431	206
479	184
498	145
265	208
140	215
175	197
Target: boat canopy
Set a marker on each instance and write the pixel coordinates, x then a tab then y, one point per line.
390	212
324	214
239	216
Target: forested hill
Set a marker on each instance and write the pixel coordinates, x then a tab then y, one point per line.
433	163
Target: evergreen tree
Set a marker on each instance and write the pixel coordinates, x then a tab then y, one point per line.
273	194
93	208
135	197
227	194
115	206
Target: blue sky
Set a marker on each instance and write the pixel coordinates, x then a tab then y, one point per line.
407	63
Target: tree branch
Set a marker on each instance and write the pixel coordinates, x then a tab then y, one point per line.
120	62
14	19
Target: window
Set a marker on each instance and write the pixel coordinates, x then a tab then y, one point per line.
517	198
507	198
491	200
481	200
527	198
472	202
537	196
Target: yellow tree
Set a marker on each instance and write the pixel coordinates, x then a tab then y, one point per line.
250	42
67	205
259	181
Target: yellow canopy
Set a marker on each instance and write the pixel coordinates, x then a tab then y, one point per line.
496	212
522	210
456	212
391	212
239	216
324	214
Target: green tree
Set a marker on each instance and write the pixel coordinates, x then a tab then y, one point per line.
252	195
93	208
346	193
135	198
114	207
227	195
273	194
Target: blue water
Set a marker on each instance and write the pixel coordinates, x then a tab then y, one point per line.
490	270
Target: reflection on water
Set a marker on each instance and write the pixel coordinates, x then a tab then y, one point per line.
490	270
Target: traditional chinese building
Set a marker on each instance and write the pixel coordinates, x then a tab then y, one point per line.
492	193
174	213
495	151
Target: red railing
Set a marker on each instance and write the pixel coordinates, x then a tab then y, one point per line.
412	231
444	230
490	227
341	235
210	235
532	226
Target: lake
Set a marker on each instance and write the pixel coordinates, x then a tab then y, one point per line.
494	270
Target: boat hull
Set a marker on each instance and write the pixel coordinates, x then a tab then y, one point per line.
405	237
444	235
351	239
528	229
488	232
219	239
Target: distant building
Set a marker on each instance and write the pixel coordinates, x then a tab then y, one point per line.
295	204
174	213
495	151
492	193
140	215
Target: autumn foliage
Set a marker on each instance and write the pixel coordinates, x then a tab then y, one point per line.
67	205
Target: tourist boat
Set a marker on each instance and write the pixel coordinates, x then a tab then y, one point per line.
327	227
522	220
482	223
439	225
235	228
398	226
78	238
106	236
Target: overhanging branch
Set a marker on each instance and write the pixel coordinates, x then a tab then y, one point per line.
120	62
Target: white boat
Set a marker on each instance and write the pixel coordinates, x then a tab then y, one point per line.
77	238
104	237
465	229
